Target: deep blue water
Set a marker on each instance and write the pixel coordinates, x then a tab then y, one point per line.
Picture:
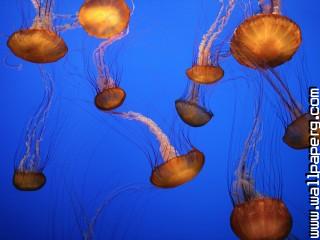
93	153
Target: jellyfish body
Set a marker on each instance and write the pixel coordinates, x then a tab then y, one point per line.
175	169
297	134
28	181
192	113
205	71
261	218
104	19
266	40
39	43
110	98
203	74
28	174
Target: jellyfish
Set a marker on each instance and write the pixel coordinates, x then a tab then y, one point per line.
175	169
109	95
266	40
297	131
28	173
206	70
40	43
256	215
104	18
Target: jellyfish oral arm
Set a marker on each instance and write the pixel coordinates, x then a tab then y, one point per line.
193	95
204	56
202	59
276	6
36	4
104	78
244	183
166	149
222	23
36	127
68	26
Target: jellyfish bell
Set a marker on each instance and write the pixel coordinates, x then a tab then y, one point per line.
28	181
37	45
297	134
192	113
261	218
205	74
110	98
178	170
104	19
265	41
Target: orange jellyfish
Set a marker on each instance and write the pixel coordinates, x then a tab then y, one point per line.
255	215
205	71
297	130
28	173
39	43
104	19
267	39
175	169
109	95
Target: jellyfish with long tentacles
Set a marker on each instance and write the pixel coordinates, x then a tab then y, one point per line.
297	131
255	215
108	93
175	169
39	43
266	40
104	18
206	70
263	42
28	173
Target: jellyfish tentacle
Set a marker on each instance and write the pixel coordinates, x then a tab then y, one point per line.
296	108
89	234
166	148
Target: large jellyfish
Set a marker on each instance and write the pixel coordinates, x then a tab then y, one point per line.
255	215
104	18
28	174
205	70
109	95
267	39
40	43
175	169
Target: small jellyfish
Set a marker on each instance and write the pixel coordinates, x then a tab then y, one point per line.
297	130
205	71
255	215
28	173
104	19
266	40
175	169
39	43
109	95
